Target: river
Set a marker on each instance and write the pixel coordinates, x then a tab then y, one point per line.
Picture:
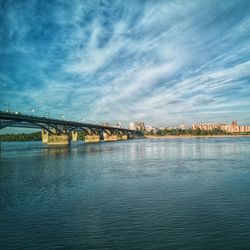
135	194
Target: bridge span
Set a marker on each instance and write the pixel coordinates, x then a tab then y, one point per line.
60	132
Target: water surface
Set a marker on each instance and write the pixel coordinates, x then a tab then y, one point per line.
136	194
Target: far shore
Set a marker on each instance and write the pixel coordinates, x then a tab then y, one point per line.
191	136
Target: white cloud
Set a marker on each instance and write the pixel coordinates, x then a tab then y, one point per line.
167	60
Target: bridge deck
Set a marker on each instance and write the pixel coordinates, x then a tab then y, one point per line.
10	119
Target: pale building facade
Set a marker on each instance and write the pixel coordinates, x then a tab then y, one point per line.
137	126
229	128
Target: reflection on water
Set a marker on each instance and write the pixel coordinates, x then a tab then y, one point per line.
147	194
57	152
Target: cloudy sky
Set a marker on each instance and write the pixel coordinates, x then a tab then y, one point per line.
162	62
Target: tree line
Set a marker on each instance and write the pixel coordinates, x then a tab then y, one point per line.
176	132
36	136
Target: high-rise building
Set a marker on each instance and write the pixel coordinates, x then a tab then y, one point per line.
137	125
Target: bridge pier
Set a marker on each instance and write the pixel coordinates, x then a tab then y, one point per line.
131	136
62	139
123	137
45	136
93	138
112	137
54	139
74	135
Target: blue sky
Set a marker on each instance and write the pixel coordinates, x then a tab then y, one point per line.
162	62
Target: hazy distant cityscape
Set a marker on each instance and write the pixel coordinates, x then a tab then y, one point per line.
234	127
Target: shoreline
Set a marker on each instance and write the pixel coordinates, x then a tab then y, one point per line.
191	136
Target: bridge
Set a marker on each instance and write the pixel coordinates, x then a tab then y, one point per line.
61	132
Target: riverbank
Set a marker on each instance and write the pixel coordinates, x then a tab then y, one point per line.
191	136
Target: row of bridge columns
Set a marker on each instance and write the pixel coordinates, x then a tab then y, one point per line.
64	138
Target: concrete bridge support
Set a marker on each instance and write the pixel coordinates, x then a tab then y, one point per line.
54	139
131	136
62	139
124	137
93	138
74	135
112	137
45	136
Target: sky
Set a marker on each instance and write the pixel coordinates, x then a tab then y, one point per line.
162	62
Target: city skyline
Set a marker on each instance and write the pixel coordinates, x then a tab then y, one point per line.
162	62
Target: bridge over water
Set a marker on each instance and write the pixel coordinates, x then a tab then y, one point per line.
58	131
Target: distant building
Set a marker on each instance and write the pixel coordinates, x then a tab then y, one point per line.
229	128
151	129
137	126
162	128
105	124
183	126
118	125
